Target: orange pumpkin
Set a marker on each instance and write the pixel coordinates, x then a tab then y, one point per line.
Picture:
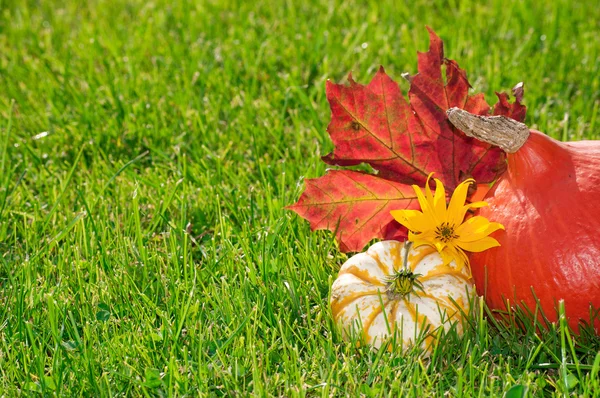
549	203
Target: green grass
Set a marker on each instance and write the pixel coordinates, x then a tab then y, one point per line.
147	150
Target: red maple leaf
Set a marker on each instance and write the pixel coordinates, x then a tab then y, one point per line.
403	142
514	110
355	205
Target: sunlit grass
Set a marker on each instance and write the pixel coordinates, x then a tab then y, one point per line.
147	151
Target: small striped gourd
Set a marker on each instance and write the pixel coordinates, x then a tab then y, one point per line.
393	288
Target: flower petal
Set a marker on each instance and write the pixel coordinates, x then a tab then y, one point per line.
428	194
456	207
427	237
414	220
448	256
475	228
478	245
421	198
439	201
477	205
417	243
426	206
457	201
458	255
472	224
439	245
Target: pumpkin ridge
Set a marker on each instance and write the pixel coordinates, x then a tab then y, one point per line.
421	252
372	316
398	249
362	275
507	274
429	342
460	303
348	300
532	227
412	310
385	270
444	271
392	314
439	301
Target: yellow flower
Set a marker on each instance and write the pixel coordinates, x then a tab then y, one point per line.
443	228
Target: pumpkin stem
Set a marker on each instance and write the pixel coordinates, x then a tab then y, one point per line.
404	282
407	246
501	131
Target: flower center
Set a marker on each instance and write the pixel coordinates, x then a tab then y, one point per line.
445	232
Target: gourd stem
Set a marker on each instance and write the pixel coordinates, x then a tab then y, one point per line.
407	247
502	131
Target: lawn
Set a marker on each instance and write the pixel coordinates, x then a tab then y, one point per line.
147	152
